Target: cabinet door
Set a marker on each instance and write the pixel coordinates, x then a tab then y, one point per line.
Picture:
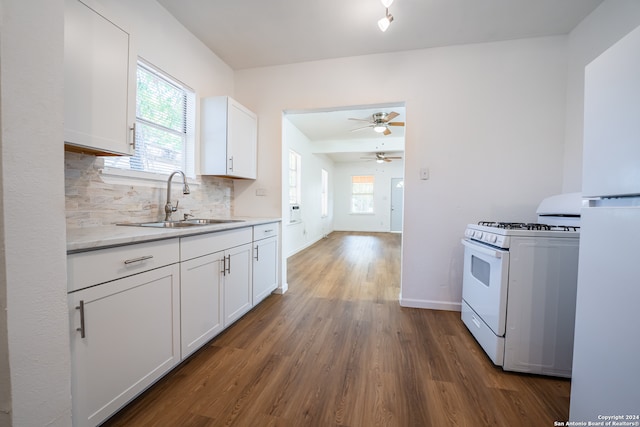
228	138
241	141
237	283
99	81
200	301
131	338
265	259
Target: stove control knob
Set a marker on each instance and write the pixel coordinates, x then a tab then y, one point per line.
492	238
478	235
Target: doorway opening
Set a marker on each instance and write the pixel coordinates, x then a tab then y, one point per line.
335	144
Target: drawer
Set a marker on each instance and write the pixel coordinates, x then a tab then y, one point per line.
263	231
205	244
86	269
492	344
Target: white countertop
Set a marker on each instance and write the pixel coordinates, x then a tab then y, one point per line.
84	239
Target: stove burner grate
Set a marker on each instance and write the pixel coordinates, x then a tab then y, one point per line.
528	226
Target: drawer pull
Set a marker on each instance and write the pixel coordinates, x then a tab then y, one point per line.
475	321
269	231
257	253
142	258
81	329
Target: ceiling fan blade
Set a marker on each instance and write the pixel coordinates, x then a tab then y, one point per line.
392	115
387	132
393	158
387	159
360	120
395	124
363	127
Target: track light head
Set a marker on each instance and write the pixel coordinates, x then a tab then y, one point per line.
383	23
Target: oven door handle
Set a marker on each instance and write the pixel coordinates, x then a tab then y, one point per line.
482	249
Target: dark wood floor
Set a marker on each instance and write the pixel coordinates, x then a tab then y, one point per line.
338	350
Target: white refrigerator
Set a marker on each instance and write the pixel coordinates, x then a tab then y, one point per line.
606	359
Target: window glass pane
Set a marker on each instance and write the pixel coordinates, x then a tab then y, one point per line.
294	177
362	194
159	101
324	201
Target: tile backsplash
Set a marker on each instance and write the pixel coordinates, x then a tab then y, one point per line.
93	199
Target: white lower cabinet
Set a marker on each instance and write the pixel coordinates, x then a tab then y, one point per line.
265	261
136	311
200	301
125	335
215	284
237	283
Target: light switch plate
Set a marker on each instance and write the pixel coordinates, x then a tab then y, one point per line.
424	173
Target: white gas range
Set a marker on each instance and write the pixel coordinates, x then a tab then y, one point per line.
519	288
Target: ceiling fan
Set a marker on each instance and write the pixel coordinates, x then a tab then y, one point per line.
381	158
380	122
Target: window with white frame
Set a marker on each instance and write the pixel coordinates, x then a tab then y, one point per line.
295	191
362	194
324	201
165	119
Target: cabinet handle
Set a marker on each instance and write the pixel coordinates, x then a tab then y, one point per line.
142	258
231	163
268	231
229	264
224	266
133	143
81	329
257	253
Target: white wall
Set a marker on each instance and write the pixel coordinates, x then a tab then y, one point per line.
313	227
602	28
487	119
35	331
380	220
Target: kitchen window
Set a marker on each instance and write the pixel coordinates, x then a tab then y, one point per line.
164	129
362	194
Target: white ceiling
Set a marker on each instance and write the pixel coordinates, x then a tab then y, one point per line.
255	33
332	132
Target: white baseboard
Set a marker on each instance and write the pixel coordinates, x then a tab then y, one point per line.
281	289
429	304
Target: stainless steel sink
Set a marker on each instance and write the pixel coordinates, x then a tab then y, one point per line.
178	224
204	221
160	224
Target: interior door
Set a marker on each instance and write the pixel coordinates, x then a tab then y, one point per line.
397	197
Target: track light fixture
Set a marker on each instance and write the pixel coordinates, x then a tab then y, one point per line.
383	23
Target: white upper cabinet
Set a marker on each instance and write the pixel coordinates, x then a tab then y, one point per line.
99	81
229	139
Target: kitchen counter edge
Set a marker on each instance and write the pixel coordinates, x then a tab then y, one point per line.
93	238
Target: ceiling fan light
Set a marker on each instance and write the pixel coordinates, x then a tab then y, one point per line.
379	128
386	3
383	23
379	161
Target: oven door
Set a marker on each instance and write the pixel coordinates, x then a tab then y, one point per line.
484	283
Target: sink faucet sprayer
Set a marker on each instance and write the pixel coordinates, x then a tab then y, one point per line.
168	207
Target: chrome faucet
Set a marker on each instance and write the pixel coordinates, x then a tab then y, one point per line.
168	207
